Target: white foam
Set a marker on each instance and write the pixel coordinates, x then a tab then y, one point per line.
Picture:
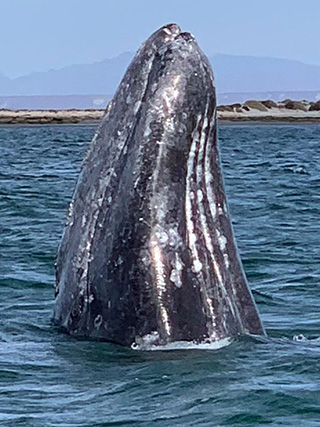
185	345
302	338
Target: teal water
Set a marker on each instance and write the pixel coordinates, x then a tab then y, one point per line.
272	176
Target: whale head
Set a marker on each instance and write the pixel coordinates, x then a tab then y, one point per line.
148	252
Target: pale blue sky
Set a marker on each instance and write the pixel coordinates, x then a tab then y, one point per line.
37	35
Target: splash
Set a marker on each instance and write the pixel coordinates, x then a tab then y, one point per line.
182	345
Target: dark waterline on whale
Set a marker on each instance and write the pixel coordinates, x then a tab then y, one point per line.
272	177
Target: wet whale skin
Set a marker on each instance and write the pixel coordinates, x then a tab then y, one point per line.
148	252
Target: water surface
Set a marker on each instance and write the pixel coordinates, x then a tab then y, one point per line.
272	177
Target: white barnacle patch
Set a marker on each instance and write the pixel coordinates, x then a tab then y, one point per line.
190	45
175	278
136	107
174	238
213	210
159	205
154	87
213	317
226	260
70	210
171	93
120	260
147	131
69	219
200	196
220	209
179	265
197	266
145	258
98	321
109	106
222	242
175	275
163	237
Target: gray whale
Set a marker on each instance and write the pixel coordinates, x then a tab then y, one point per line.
148	252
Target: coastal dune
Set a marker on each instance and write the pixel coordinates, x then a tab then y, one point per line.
287	110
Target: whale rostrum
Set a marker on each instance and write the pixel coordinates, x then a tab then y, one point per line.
148	250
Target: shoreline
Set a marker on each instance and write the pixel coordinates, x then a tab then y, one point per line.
251	111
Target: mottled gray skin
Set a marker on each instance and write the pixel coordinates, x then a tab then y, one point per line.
148	253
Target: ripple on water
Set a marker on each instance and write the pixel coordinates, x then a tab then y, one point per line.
272	177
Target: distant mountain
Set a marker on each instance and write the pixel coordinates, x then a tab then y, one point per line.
86	102
234	74
3	81
252	74
99	77
54	102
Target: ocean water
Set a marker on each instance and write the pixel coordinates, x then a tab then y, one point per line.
272	177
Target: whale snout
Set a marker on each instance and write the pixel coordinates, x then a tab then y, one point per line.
172	29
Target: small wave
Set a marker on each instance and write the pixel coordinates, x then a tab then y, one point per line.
264	298
12	282
303	338
301	170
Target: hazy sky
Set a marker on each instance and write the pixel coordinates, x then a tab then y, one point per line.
37	35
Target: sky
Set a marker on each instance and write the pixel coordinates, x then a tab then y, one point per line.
37	35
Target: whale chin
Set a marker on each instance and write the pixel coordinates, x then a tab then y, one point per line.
148	252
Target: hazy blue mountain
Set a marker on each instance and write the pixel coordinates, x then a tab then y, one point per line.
252	74
3	82
234	74
54	102
85	102
100	77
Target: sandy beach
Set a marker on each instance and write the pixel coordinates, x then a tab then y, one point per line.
266	111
